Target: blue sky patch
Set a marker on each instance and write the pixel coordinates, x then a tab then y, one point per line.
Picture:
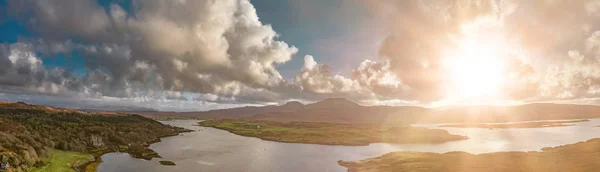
73	63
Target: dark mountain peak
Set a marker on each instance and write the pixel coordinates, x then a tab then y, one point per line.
336	102
293	104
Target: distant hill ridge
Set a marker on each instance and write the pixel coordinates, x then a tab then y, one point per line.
293	104
23	105
339	110
334	103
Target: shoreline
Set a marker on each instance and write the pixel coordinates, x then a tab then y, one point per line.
83	167
331	134
459	161
530	124
324	144
195	124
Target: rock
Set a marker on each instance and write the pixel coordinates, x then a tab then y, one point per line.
167	163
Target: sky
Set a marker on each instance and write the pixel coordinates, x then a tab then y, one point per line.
194	55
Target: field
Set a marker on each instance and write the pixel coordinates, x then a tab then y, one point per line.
332	134
63	161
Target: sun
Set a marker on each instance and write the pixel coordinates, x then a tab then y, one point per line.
476	66
477	73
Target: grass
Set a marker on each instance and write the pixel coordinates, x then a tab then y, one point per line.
579	157
63	161
332	134
538	124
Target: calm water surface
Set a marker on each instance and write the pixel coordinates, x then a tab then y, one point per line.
210	149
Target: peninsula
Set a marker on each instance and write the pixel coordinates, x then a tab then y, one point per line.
332	134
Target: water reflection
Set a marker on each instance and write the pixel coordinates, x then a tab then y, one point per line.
217	150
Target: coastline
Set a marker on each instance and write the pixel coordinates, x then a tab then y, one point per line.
582	157
220	132
91	166
331	134
526	124
326	144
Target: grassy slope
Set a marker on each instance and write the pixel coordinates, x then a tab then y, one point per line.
63	161
540	124
331	134
584	156
28	133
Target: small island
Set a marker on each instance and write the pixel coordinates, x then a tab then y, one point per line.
579	157
332	134
535	124
167	163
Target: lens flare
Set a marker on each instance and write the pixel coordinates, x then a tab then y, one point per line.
476	66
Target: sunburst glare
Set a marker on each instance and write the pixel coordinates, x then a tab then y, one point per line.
476	66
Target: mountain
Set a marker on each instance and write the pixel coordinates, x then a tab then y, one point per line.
293	105
333	103
233	113
23	105
344	111
338	110
124	109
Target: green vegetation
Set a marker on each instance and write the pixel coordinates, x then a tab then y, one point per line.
579	157
167	163
539	124
63	161
30	133
332	134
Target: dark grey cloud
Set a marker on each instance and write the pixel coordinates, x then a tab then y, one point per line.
64	19
211	47
21	69
218	51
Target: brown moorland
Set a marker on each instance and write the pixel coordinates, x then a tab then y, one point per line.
579	157
337	110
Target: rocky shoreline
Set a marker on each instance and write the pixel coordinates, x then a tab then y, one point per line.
136	151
